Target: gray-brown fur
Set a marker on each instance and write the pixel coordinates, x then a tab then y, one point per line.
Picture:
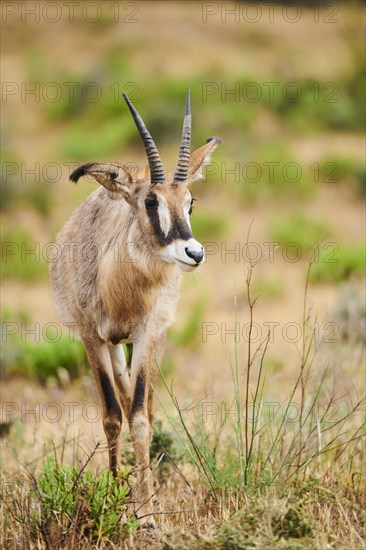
112	283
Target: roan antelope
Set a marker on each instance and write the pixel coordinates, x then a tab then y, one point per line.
113	298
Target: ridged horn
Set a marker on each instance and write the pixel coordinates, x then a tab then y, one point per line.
156	166
181	171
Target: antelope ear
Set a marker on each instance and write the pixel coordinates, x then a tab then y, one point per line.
112	176
200	157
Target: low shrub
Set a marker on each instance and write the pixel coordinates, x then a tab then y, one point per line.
299	229
17	259
65	504
347	261
40	360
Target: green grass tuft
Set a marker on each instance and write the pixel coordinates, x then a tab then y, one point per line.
206	226
41	359
190	334
299	229
347	261
21	257
65	503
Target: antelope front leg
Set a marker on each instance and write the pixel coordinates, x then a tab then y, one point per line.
143	361
121	376
159	353
100	363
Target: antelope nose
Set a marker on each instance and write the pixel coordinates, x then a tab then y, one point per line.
196	255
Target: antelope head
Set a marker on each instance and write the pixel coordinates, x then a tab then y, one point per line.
161	204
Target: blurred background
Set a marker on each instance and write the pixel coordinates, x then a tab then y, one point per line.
283	87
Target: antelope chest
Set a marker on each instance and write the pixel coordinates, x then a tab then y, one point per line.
139	305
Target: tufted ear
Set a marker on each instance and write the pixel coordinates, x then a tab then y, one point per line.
200	157
112	176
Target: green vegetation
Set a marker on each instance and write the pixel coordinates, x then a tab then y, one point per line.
243	455
307	106
299	229
83	143
303	107
42	358
65	503
207	226
21	257
345	171
38	196
190	334
339	264
18	190
332	262
285	467
267	289
270	171
277	525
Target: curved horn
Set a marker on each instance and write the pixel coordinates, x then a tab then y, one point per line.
156	166
181	171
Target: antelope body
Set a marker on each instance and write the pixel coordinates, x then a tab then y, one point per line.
117	280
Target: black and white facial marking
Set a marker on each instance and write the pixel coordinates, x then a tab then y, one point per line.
168	213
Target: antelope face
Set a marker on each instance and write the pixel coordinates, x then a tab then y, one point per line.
168	209
163	205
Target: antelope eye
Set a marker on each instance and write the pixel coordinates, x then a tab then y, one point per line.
191	207
151	202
